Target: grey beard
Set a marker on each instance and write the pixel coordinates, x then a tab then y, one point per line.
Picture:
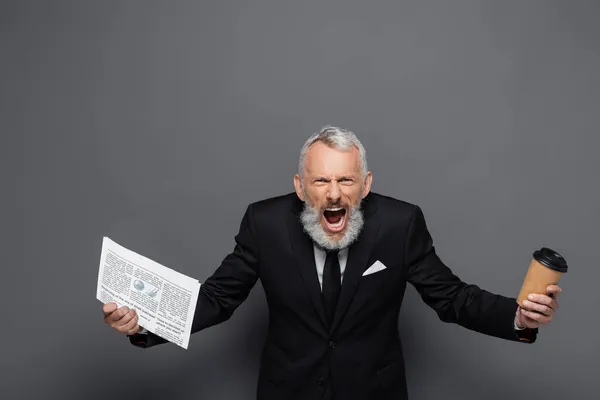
311	222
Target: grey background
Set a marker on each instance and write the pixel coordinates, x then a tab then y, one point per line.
156	123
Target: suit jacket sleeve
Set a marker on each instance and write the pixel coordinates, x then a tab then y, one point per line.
453	300
226	289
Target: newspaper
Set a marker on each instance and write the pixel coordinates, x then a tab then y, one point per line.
164	299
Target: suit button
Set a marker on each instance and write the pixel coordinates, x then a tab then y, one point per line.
332	345
320	381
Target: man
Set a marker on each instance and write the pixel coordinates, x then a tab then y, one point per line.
334	260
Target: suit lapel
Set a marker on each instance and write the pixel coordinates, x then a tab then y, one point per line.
302	247
358	256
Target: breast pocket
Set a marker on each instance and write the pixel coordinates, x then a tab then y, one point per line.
371	286
377	276
379	269
382	285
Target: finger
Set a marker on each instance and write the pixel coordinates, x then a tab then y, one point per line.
537	317
527	322
108	308
554	290
128	326
135	330
540	299
125	319
540	308
116	315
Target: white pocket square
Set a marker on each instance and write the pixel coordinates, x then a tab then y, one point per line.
376	267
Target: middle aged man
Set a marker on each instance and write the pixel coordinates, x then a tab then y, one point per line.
334	260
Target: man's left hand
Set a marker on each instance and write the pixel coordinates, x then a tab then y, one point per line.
538	309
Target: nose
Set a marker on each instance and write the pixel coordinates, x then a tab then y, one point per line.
333	193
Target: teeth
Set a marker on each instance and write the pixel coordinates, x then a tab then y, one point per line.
334	209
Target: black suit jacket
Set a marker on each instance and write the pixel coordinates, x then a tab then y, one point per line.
359	355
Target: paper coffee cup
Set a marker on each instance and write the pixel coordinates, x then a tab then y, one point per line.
546	268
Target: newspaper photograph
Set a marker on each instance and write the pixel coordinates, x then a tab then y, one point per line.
164	299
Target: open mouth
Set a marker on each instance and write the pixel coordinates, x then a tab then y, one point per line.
335	218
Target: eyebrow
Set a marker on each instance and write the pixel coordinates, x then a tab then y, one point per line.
343	177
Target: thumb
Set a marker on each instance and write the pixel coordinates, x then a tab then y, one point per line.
109	308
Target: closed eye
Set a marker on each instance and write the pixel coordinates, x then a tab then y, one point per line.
342	180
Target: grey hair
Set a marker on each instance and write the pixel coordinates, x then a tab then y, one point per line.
339	138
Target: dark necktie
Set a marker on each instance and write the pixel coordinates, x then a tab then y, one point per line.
331	283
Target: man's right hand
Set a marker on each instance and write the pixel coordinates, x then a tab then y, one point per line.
122	319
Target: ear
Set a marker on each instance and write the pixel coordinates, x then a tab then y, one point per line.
367	184
298	187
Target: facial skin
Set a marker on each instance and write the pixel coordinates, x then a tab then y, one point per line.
332	185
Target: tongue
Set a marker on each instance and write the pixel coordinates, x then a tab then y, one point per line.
333	217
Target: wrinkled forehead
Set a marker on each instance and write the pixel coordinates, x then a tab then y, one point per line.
330	161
